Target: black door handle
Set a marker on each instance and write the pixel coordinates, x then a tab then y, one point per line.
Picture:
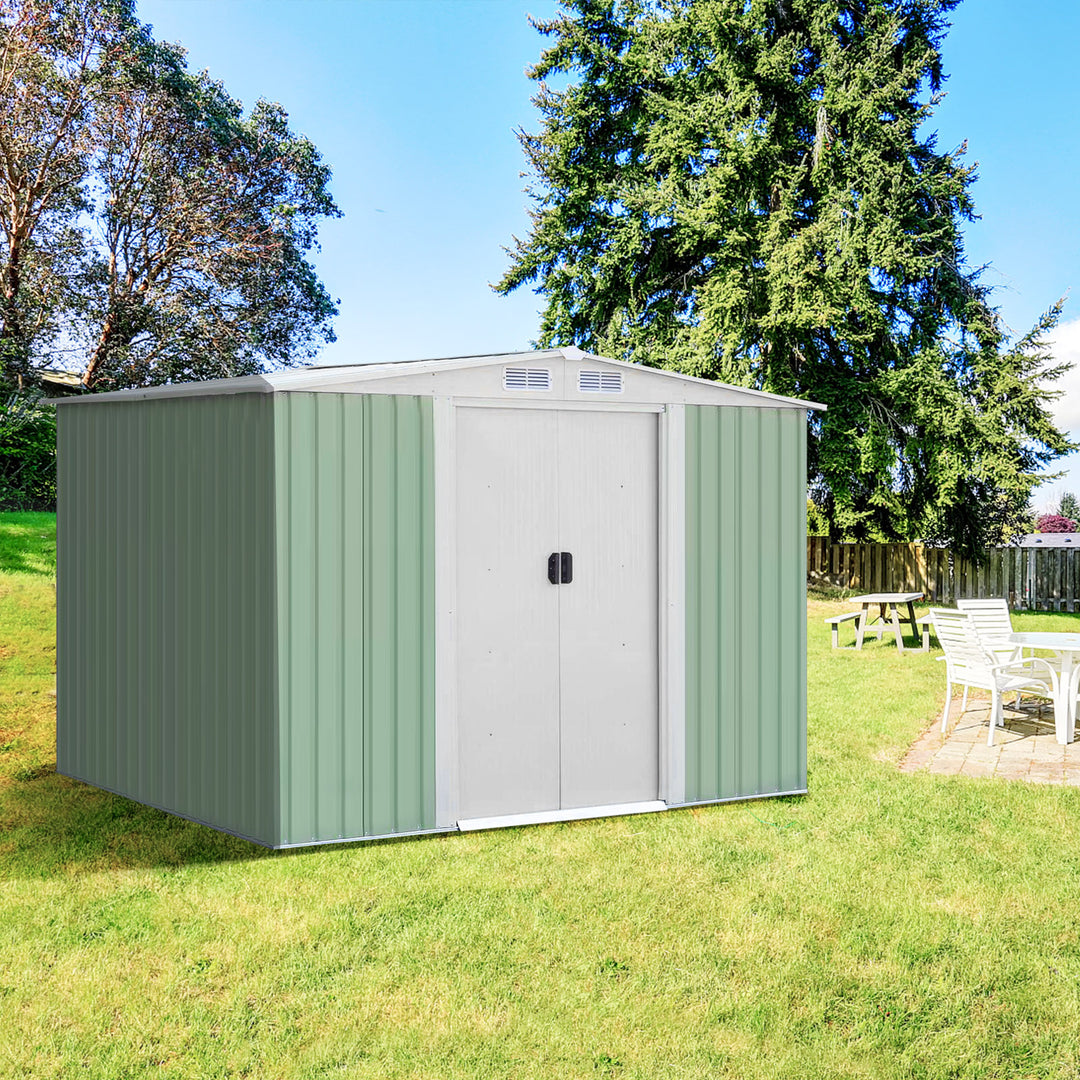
560	568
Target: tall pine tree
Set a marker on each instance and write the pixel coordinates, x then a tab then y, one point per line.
745	190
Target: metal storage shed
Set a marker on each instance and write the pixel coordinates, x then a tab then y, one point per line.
352	602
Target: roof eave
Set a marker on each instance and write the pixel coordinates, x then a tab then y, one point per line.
325	377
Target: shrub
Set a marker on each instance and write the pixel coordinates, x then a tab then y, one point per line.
1055	523
816	522
27	453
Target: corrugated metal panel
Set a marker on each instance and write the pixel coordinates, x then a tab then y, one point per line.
355	535
745	602
165	665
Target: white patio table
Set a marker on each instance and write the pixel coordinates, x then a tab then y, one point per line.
890	600
1067	647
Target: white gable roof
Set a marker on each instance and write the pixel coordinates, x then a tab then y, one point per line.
1050	540
480	377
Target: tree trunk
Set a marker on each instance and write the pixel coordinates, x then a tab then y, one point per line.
101	350
14	348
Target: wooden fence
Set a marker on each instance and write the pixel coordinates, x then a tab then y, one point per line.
1044	578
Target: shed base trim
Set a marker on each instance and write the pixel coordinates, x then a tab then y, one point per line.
375	837
579	813
752	797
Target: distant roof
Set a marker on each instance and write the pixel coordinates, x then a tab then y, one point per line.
424	376
54	381
1051	540
64	378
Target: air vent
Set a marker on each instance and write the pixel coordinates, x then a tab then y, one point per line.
600	382
526	378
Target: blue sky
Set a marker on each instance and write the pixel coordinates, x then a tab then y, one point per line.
414	104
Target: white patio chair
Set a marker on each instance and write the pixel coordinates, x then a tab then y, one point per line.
994	625
969	663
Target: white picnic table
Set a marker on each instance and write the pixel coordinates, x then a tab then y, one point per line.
891	601
1067	647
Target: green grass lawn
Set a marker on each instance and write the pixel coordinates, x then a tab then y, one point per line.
887	924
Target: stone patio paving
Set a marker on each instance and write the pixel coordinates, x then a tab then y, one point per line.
1025	750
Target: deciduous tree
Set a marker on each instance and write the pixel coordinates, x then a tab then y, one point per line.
153	227
57	61
207	220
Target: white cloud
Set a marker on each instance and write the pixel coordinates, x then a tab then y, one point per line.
1065	347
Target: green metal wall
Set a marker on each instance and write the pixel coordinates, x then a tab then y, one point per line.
745	602
165	579
356	607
